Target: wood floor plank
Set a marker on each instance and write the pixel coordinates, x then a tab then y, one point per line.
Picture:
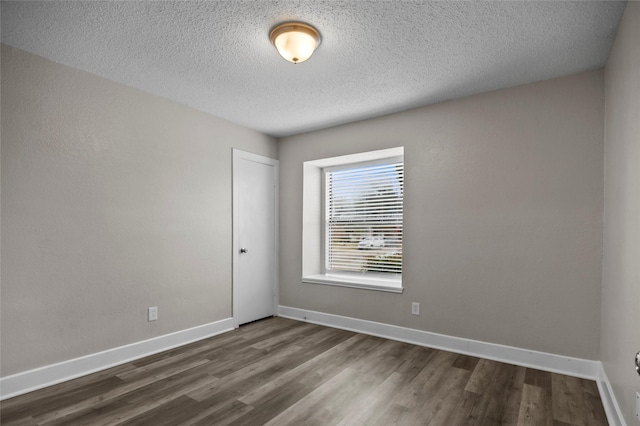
302	411
560	423
428	381
279	371
272	404
175	412
258	330
541	379
233	389
365	408
568	401
368	376
410	362
250	371
210	344
284	338
327	402
505	395
413	360
23	421
317	335
327	364
500	396
482	376
466	362
420	400
463	413
594	411
63	391
88	403
150	369
220	417
354	354
255	332
221	405
130	405
37	406
535	408
230	361
590	387
438	405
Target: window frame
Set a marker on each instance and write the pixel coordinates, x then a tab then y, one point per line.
315	224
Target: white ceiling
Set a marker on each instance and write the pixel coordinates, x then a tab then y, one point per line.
376	57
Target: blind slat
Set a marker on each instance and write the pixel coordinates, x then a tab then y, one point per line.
364	218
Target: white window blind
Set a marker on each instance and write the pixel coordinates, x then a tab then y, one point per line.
364	218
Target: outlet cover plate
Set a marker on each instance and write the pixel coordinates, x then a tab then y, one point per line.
415	308
638	405
153	313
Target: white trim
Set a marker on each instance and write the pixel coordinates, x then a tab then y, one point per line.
48	375
313	228
357	157
609	401
577	367
365	283
527	358
243	155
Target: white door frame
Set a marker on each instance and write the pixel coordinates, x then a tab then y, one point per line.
243	155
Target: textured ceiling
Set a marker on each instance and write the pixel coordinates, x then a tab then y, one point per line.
376	57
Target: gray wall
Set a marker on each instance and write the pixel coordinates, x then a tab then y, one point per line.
621	271
113	200
503	216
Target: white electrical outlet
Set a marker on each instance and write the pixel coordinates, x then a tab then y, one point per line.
153	313
638	405
415	308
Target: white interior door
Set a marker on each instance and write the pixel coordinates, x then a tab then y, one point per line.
255	220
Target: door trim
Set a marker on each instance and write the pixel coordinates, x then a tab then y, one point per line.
243	155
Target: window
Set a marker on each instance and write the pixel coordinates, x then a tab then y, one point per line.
364	218
353	220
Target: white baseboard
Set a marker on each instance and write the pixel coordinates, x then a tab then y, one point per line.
527	358
609	401
577	367
38	378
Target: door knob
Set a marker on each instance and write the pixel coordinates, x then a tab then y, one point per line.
243	250
638	363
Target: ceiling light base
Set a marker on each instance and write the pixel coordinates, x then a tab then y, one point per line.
295	41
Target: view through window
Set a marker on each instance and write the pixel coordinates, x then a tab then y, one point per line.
363	218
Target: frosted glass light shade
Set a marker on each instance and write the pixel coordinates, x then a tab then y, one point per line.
295	41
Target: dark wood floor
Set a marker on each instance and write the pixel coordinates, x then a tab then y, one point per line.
283	372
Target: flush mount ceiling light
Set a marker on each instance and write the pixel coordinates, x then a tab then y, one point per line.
295	41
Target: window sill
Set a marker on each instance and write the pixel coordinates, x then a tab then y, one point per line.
390	286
